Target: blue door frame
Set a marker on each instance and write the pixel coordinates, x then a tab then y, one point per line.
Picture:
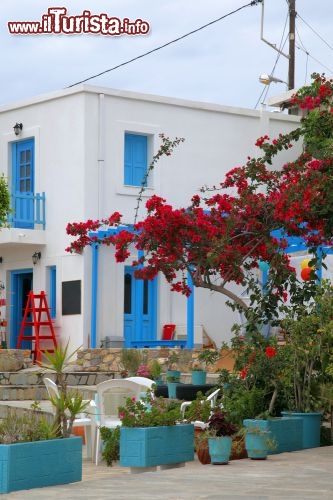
95	294
21	282
140	303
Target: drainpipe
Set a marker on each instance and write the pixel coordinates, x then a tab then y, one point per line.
101	153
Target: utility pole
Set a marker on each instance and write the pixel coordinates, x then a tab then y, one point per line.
291	66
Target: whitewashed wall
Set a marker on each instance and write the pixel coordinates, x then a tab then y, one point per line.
79	137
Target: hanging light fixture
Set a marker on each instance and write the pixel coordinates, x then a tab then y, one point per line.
36	257
18	128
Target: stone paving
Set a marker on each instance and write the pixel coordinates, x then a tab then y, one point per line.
303	475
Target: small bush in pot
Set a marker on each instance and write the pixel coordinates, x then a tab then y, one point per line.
149	412
220	431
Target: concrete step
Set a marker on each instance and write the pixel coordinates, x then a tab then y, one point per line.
29	385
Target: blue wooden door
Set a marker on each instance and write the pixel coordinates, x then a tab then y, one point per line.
21	285
139	308
23	183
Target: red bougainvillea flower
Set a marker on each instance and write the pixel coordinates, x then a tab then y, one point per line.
270	352
243	373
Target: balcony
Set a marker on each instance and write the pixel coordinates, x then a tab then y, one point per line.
27	222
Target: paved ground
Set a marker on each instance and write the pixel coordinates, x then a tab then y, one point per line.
302	475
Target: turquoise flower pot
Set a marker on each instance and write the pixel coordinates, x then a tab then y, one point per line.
175	374
199	377
172	390
220	449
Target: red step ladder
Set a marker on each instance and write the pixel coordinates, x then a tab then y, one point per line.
37	315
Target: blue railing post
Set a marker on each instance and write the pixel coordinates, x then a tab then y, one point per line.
190	314
94	293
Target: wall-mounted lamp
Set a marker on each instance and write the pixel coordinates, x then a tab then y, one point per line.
268	79
18	128
36	257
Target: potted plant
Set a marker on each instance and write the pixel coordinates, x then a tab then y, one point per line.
172	370
152	433
220	431
155	370
172	382
130	360
307	329
31	440
258	390
199	375
205	358
258	439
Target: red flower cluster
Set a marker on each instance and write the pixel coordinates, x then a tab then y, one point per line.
270	352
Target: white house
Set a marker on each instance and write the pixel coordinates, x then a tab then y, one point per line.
80	154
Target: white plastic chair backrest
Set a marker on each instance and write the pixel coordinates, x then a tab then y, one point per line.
113	393
213	397
53	392
52	388
146	383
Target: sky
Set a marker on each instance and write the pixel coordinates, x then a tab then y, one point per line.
219	64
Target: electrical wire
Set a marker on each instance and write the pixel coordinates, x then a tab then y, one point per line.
316	60
307	55
315	32
250	4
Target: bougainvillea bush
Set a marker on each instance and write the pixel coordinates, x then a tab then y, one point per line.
222	235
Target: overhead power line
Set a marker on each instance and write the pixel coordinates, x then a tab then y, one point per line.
315	32
316	60
250	4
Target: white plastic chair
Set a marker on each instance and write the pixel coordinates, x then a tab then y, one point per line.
83	420
110	395
146	383
212	398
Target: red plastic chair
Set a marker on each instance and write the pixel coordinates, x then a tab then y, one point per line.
168	332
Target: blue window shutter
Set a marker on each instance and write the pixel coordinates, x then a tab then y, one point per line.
135	161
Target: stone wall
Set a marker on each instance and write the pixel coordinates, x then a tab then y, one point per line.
13	360
109	360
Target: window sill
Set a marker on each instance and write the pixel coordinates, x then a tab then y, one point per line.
134	191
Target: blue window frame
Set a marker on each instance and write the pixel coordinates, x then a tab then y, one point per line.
52	291
135	159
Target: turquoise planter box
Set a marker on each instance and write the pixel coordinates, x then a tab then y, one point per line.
311	423
40	463
287	432
152	446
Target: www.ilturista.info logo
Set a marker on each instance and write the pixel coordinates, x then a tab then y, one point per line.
56	22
